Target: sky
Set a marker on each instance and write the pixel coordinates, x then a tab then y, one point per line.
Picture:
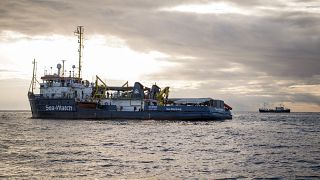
247	52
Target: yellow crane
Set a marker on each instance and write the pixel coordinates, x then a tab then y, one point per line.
125	84
162	96
100	90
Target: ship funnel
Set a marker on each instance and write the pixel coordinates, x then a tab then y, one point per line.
138	91
154	91
59	68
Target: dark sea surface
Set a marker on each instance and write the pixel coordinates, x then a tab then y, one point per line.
251	145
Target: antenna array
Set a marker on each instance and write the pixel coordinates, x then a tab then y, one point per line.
79	33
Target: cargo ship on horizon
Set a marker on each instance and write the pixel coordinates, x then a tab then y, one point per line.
64	96
278	109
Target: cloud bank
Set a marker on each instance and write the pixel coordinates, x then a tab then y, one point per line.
242	51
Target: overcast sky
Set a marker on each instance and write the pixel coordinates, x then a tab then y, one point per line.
245	52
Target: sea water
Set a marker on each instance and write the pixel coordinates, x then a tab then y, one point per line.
251	145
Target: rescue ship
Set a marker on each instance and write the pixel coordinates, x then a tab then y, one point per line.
68	96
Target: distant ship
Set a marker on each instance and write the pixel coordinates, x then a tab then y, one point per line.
68	96
278	109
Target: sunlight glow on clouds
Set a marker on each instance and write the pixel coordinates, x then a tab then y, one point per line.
243	90
299	6
21	50
291	9
118	61
211	8
108	57
308	89
234	67
231	8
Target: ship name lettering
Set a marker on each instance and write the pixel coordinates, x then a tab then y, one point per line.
58	108
152	108
173	109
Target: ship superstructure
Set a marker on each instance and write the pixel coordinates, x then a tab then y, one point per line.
68	96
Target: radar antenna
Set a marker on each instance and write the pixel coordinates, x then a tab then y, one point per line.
79	33
63	67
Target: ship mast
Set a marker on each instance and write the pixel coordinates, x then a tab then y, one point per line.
79	33
33	81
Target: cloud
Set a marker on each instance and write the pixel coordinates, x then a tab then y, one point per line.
278	41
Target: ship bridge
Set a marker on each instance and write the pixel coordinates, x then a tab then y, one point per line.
59	86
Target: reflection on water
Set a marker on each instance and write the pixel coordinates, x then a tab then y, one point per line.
252	145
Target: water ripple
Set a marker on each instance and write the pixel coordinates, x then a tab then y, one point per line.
251	146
